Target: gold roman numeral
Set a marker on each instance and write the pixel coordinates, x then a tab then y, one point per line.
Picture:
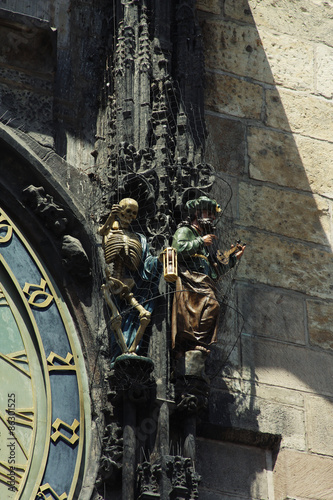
46	489
16	359
4	238
11	432
63	364
58	435
11	475
38	294
3	300
21	416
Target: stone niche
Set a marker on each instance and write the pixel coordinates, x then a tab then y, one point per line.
230	471
27	73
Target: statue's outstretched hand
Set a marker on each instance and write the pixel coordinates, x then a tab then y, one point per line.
240	252
209	239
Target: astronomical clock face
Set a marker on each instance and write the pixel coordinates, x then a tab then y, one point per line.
42	378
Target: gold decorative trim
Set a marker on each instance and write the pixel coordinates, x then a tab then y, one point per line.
70	331
34	326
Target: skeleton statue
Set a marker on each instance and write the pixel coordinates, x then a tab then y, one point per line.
126	257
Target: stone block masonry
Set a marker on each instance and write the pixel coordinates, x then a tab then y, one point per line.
269	116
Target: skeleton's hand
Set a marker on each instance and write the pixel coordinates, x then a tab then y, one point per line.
115	209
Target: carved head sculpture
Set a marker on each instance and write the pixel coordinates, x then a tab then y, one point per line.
203	203
204	210
129	211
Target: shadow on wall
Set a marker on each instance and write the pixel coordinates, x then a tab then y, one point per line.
48	74
27	68
268	110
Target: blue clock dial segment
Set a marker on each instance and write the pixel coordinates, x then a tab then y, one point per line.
41	379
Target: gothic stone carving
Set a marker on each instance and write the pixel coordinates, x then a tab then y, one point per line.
74	257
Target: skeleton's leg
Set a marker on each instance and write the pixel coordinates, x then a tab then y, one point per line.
115	319
144	322
144	317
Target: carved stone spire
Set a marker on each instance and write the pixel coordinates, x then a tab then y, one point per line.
156	111
155	153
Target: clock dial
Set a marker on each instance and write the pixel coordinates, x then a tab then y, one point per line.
21	376
42	417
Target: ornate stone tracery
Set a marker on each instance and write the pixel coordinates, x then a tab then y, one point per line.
156	129
155	140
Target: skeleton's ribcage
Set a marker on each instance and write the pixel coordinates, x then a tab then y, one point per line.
124	247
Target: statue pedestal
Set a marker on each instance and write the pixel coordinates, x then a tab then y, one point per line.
133	381
133	373
192	365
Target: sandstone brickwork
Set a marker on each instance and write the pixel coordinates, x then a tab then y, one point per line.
269	114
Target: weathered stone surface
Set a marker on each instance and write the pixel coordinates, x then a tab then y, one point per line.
299	475
226	144
29	46
32	111
22	80
27	69
233	96
282	262
285	420
213	495
59	17
268	259
79	153
290	59
311	19
242	470
319	425
287	365
272	313
239	9
212	6
297	215
320	323
290	160
324	65
305	114
194	364
77	189
241	50
246	411
223	188
280	395
236	49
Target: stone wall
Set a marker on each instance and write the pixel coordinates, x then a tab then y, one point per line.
268	110
269	114
52	91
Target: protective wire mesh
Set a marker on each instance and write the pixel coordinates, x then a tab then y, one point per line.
142	171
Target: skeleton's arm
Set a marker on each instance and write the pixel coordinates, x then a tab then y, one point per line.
115	210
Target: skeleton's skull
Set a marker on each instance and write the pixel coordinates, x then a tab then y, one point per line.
129	211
